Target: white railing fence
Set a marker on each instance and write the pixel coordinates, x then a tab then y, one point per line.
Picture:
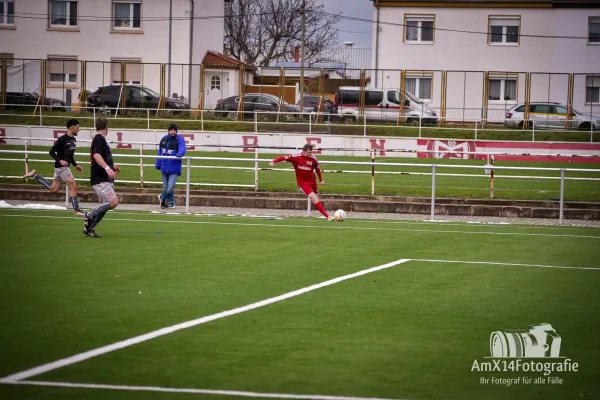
372	168
322	123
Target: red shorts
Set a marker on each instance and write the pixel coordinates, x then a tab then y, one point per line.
308	188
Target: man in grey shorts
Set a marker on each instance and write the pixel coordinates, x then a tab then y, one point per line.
63	151
102	176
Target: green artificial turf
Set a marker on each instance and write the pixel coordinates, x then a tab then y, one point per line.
411	331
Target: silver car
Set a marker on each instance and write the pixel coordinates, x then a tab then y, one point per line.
551	116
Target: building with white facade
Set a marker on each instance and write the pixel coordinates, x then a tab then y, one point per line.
495	53
120	41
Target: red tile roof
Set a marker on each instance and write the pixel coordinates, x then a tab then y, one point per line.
213	58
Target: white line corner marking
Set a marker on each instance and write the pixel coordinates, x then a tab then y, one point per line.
14	378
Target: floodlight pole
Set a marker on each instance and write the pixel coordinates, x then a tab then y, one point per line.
302	56
170	40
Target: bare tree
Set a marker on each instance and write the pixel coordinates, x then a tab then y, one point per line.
259	32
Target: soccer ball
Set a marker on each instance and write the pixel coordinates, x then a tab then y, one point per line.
340	215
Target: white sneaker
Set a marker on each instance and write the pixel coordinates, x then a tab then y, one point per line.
330	218
30	174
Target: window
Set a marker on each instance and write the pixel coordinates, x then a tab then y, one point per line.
127	15
419	29
592	89
540	108
133	71
520	109
394	97
215	83
7	12
373	98
560	110
138	94
420	87
266	100
110	91
63	13
594	30
504	30
502	90
349	97
62	70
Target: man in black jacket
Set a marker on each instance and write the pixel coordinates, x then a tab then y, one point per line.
102	176
62	151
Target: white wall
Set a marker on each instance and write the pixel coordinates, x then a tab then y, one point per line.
94	41
471	52
208	33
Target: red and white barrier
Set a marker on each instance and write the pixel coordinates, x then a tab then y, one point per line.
281	143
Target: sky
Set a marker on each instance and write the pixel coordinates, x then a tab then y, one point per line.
346	28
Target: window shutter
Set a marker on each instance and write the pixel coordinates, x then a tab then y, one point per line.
504	22
133	72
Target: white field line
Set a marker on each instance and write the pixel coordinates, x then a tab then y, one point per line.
326	225
194	391
471	224
502	263
184	325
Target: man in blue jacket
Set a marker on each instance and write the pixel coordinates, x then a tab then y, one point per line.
171	144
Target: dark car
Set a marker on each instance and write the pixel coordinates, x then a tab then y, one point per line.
107	97
312	102
266	103
16	100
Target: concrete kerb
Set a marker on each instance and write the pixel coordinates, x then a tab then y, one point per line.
389	217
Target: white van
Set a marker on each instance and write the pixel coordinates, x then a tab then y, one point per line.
382	105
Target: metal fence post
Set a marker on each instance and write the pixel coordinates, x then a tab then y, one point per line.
256	169
141	165
94	122
364	124
255	123
66	197
310	124
532	132
433	192
26	158
475	130
202	120
41	119
372	173
148	117
562	194
420	123
308	207
187	186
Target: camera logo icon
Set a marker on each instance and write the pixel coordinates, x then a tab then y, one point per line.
541	341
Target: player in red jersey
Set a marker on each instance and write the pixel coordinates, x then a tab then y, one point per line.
305	165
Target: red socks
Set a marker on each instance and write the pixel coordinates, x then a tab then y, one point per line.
321	209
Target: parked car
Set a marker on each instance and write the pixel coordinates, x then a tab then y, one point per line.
264	102
136	96
31	99
544	115
312	102
382	105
